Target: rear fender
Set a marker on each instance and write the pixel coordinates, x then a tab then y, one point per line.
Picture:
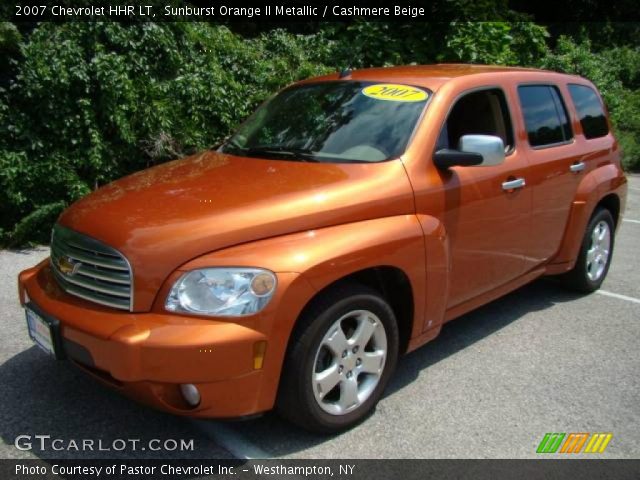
592	189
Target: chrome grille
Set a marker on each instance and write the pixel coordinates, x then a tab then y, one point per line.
89	269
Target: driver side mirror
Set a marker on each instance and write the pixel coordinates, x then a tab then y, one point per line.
473	150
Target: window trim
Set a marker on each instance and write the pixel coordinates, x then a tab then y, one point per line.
602	105
464	93
564	104
419	121
558	98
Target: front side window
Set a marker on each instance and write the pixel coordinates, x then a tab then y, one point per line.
590	111
545	115
341	121
483	112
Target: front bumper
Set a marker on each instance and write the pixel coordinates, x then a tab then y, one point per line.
148	355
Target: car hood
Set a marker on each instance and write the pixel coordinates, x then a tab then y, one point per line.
164	216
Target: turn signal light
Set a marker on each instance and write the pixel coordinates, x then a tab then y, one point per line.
259	348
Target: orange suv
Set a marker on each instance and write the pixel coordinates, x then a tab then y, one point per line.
342	225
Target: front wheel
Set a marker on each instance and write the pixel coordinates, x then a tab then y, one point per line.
595	254
341	357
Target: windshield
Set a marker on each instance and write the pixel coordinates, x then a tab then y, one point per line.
342	121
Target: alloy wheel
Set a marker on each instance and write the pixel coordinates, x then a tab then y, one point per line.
349	362
598	252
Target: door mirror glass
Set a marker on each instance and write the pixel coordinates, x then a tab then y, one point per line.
490	147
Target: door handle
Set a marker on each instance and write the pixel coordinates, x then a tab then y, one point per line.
513	184
577	167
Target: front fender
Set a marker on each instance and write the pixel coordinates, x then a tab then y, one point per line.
595	185
325	255
306	262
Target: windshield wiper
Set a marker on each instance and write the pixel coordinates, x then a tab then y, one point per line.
303	154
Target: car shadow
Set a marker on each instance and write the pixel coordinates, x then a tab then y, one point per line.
282	438
45	397
478	324
41	396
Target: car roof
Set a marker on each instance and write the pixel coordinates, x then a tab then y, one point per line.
434	76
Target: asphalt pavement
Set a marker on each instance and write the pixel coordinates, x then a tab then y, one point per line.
490	386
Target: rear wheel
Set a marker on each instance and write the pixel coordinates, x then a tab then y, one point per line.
595	254
341	357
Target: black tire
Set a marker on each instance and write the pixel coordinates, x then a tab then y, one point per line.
578	279
296	400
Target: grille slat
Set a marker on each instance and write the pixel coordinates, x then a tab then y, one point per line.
93	252
122	278
91	295
91	259
95	272
102	288
99	273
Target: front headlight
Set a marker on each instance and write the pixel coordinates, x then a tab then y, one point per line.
222	291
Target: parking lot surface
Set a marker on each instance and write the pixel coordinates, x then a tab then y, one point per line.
490	386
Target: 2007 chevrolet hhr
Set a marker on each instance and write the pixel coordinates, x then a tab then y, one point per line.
342	225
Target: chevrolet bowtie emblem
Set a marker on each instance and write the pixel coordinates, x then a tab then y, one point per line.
68	266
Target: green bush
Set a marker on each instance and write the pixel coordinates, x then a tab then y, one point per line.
499	43
82	104
91	102
616	73
374	44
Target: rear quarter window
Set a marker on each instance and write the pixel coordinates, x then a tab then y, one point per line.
590	111
545	115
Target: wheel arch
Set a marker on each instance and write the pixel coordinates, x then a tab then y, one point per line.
387	254
605	187
612	203
392	283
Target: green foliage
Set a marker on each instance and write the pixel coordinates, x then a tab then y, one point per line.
82	104
91	102
367	44
9	47
616	73
9	36
36	226
499	43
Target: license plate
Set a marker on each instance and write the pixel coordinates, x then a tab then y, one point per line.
40	331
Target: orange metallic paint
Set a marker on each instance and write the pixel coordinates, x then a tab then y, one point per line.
161	217
459	239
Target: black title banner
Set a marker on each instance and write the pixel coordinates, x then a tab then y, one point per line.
316	11
222	12
318	469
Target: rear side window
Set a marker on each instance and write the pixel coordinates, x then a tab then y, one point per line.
545	115
590	111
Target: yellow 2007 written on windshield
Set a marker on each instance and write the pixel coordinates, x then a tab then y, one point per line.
395	92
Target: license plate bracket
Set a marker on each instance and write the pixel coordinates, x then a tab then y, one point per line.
44	331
